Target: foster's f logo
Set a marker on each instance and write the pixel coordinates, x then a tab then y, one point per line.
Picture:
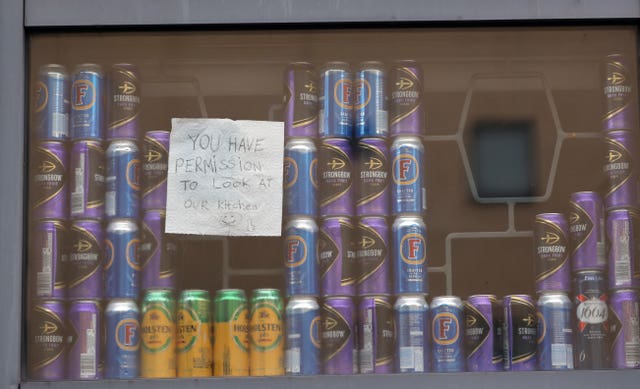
127	334
83	94
290	170
405	169
446	328
412	249
296	251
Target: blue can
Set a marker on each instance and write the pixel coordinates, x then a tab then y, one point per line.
87	104
447	325
300	177
555	332
409	251
122	268
412	334
122	329
336	101
371	104
51	103
122	195
300	257
408	193
303	336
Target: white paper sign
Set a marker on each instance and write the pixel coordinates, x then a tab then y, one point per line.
225	177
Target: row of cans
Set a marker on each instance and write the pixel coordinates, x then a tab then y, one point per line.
370	102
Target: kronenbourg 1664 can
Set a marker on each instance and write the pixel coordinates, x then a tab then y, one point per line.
591	320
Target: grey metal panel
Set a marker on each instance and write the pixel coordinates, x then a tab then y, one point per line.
149	12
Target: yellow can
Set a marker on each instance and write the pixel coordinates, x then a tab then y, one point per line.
231	329
194	351
266	333
158	335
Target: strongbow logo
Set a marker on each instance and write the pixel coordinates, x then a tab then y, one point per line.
550	238
574	218
152	156
127	88
613	156
404	83
310	87
366	242
374	163
82	246
529	320
616	78
48	328
329	323
47	167
336	164
471	321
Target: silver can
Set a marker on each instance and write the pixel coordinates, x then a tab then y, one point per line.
303	336
412	334
555	332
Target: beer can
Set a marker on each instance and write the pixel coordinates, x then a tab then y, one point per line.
520	332
336	101
555	332
406	113
409	252
337	257
302	355
376	335
371	104
408	192
158	252
122	259
122	196
122	339
412	334
46	340
620	170
372	189
300	178
48	257
551	253
338	334
300	253
155	166
372	256
85	323
447	352
84	270
591	320
301	100
87	102
624	319
158	334
48	178
587	231
619	89
623	264
231	333
124	102
336	185
86	178
483	333
50	103
194	352
266	333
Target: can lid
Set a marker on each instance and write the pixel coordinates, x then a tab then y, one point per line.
89	67
371	64
60	71
336	65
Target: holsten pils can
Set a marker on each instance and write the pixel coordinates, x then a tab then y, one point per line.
336	184
409	251
158	252
158	334
155	165
122	328
47	340
51	103
266	333
86	179
303	336
372	169
300	257
48	255
122	259
555	332
408	192
591	320
85	323
376	335
620	171
619	92
551	253
371	104
338	333
483	333
337	257
124	102
412	334
84	270
624	319
520	332
231	333
336	101
49	188
300	100
194	352
586	231
447	339
405	106
372	256
87	102
300	169
623	264
122	196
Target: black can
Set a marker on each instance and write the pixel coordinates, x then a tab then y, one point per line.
591	321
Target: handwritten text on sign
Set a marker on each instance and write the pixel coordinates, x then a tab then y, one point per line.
225	177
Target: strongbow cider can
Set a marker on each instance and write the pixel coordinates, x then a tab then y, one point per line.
405	84
86	179
624	319
122	259
336	101
412	334
409	251
194	352
586	231
620	171
300	257
337	257
231	333
591	320
158	334
87	108
520	332
370	105
84	270
49	186
372	256
376	335
51	103
619	90
266	333
338	334
483	333
622	249
303	336
447	334
47	340
155	165
122	196
48	257
555	332
408	192
335	180
122	339
124	102
84	325
551	253
300	178
372	169
301	100
157	252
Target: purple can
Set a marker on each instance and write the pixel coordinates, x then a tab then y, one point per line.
46	341
339	351
124	102
157	252
624	320
520	332
84	327
155	164
84	270
336	189
372	256
48	255
337	257
406	112
551	254
48	181
86	177
586	232
619	170
618	88
622	250
483	333
376	335
372	189
301	100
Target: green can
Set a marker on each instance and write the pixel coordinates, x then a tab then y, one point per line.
231	333
158	334
194	348
266	333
